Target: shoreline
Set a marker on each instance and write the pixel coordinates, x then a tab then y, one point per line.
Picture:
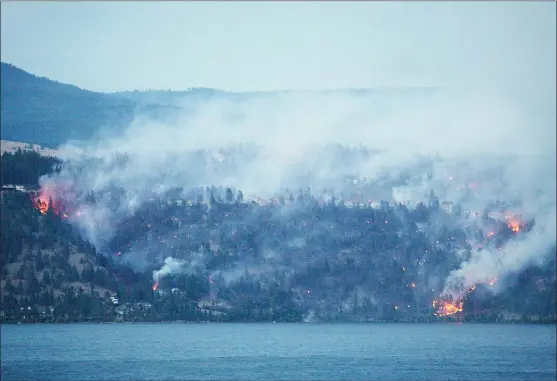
300	322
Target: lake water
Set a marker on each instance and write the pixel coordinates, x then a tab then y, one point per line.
278	351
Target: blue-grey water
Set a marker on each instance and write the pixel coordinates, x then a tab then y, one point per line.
278	351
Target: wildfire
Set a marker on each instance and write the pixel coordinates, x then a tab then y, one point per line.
41	205
447	307
42	200
156	286
514	225
55	200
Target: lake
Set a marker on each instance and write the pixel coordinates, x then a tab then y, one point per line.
278	351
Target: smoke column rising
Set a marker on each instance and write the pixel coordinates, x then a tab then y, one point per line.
286	141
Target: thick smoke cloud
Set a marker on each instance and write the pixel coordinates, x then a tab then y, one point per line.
470	148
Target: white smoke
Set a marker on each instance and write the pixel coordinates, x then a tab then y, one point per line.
171	266
451	142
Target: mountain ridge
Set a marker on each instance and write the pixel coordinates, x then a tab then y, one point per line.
40	110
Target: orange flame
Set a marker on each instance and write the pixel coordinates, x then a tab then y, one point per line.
48	198
155	286
514	225
448	307
42	201
41	205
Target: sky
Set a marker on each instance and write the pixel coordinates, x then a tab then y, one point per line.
251	46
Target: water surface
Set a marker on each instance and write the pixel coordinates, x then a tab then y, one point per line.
278	351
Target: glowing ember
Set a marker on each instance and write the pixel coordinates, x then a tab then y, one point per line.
49	199
514	225
491	282
449	308
42	199
490	234
156	286
41	205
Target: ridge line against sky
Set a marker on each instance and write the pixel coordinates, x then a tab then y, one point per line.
270	46
38	75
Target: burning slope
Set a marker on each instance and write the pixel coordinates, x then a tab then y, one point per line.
55	198
44	200
447	306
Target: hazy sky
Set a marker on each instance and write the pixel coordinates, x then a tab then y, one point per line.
111	46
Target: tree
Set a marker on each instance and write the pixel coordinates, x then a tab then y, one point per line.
46	278
50	209
229	196
33	286
87	274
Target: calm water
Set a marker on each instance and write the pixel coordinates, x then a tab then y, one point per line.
278	351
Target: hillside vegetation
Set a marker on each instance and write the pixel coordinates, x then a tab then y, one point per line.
40	111
240	261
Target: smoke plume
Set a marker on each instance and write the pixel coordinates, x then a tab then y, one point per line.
471	148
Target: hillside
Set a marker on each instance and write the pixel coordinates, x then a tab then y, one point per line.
232	260
49	273
12	147
47	269
180	98
41	111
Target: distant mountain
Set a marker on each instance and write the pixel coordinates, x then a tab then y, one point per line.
38	110
182	98
41	111
169	97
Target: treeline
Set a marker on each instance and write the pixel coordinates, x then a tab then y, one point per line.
294	260
26	167
338	262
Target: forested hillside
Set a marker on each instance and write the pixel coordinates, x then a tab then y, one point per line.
228	259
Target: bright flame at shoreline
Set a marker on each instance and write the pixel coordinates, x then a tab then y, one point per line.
451	307
156	286
448	308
